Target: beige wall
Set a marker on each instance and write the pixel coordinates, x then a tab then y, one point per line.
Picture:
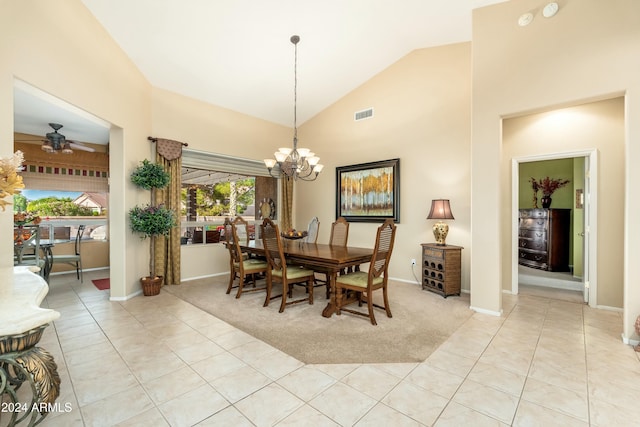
585	52
421	115
209	128
61	49
593	126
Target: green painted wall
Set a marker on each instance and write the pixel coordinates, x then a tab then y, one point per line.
555	169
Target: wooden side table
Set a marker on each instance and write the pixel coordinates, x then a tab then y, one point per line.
441	268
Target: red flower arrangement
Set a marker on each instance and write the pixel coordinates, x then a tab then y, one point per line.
547	185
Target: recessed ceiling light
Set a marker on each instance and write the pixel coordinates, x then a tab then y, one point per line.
550	10
525	19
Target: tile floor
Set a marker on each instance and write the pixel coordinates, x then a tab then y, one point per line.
160	361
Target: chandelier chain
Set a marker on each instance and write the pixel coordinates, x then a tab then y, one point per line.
294	163
295	96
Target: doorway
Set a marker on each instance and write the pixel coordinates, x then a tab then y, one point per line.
574	282
73	184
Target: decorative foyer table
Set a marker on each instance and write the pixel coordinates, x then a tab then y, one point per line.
22	322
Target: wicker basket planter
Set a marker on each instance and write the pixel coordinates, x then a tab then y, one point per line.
151	285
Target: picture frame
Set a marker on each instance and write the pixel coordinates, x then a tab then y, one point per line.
369	192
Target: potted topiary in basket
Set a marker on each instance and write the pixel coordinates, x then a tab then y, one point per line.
151	220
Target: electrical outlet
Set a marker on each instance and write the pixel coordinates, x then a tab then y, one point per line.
413	261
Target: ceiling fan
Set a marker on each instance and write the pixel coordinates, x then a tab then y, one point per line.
56	142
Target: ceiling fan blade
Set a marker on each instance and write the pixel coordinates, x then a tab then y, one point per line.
78	146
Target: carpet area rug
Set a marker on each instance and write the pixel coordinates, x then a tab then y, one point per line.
421	322
102	284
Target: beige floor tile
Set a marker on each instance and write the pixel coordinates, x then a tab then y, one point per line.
400	370
117	407
151	418
269	405
307	416
372	381
146	370
306	382
487	400
417	403
337	371
605	414
218	366
193	407
515	360
556	371
198	351
456	415
67	419
436	380
232	339
173	385
530	414
382	415
240	383
90	353
276	365
569	402
450	362
252	350
497	378
343	404
229	416
559	344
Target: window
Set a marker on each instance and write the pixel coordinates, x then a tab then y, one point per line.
215	187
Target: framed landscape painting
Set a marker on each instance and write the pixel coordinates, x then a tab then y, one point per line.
369	192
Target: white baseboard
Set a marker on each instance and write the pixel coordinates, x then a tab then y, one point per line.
489	312
629	341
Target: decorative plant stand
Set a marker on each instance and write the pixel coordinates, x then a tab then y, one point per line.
29	381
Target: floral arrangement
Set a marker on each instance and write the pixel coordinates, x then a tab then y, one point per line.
26	218
547	185
151	220
10	182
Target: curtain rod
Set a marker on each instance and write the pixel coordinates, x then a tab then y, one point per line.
152	139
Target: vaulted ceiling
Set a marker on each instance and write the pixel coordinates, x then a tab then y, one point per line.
237	54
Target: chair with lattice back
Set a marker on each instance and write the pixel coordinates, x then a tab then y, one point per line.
279	271
312	230
241	267
339	236
364	284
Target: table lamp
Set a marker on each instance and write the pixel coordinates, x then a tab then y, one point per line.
440	209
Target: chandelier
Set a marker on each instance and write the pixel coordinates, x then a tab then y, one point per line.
56	142
297	163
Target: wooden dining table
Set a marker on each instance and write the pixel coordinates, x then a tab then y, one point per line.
318	257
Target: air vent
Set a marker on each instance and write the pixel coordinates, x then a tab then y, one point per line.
364	114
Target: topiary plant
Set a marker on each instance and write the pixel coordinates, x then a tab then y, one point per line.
151	220
150	175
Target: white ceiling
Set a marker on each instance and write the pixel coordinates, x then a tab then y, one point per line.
237	54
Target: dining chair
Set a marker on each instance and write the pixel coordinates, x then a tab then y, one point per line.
339	236
240	266
26	247
364	284
278	270
74	259
312	230
242	229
